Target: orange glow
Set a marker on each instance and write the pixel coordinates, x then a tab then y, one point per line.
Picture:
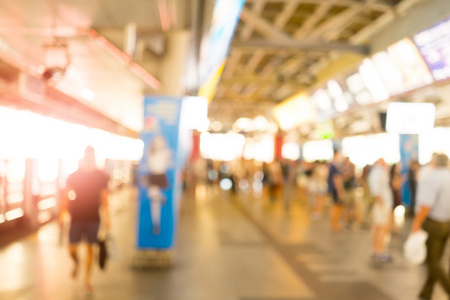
294	111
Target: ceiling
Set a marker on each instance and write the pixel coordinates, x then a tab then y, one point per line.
283	47
280	47
87	39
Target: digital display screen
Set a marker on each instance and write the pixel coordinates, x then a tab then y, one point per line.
410	118
373	82
357	88
336	92
434	46
415	73
323	103
390	72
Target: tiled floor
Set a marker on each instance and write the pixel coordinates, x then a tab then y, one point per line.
230	247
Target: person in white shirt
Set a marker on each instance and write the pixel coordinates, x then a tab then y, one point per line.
382	209
433	215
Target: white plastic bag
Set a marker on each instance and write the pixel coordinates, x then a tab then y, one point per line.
414	249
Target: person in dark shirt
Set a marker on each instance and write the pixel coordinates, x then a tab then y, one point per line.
85	194
336	190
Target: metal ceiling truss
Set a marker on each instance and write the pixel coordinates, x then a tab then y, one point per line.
280	46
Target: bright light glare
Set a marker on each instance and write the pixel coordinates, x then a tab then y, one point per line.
204	125
47	203
48	169
373	81
14	214
30	135
365	150
262	149
243	124
87	94
226	184
261	123
318	150
436	140
114	147
195	112
16	170
399	215
225	147
291	151
15	198
399	211
410	118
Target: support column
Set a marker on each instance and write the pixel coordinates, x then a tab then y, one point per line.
173	67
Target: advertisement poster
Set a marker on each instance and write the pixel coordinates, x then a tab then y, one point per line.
158	173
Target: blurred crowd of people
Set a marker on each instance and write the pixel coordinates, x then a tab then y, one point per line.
353	198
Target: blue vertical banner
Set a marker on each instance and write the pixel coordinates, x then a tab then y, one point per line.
159	180
409	150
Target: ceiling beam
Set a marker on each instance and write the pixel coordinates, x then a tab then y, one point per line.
311	22
334	25
231	64
300	45
255	60
265	28
367	32
248	28
287	13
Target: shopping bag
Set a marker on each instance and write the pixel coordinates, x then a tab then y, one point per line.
414	249
102	253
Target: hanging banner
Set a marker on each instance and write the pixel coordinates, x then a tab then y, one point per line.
159	180
409	150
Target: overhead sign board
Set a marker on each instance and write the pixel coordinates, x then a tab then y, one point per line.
434	46
410	118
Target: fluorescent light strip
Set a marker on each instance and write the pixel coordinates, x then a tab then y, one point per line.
47	203
15	198
14	214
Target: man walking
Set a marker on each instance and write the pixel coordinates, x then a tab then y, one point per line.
433	214
85	194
